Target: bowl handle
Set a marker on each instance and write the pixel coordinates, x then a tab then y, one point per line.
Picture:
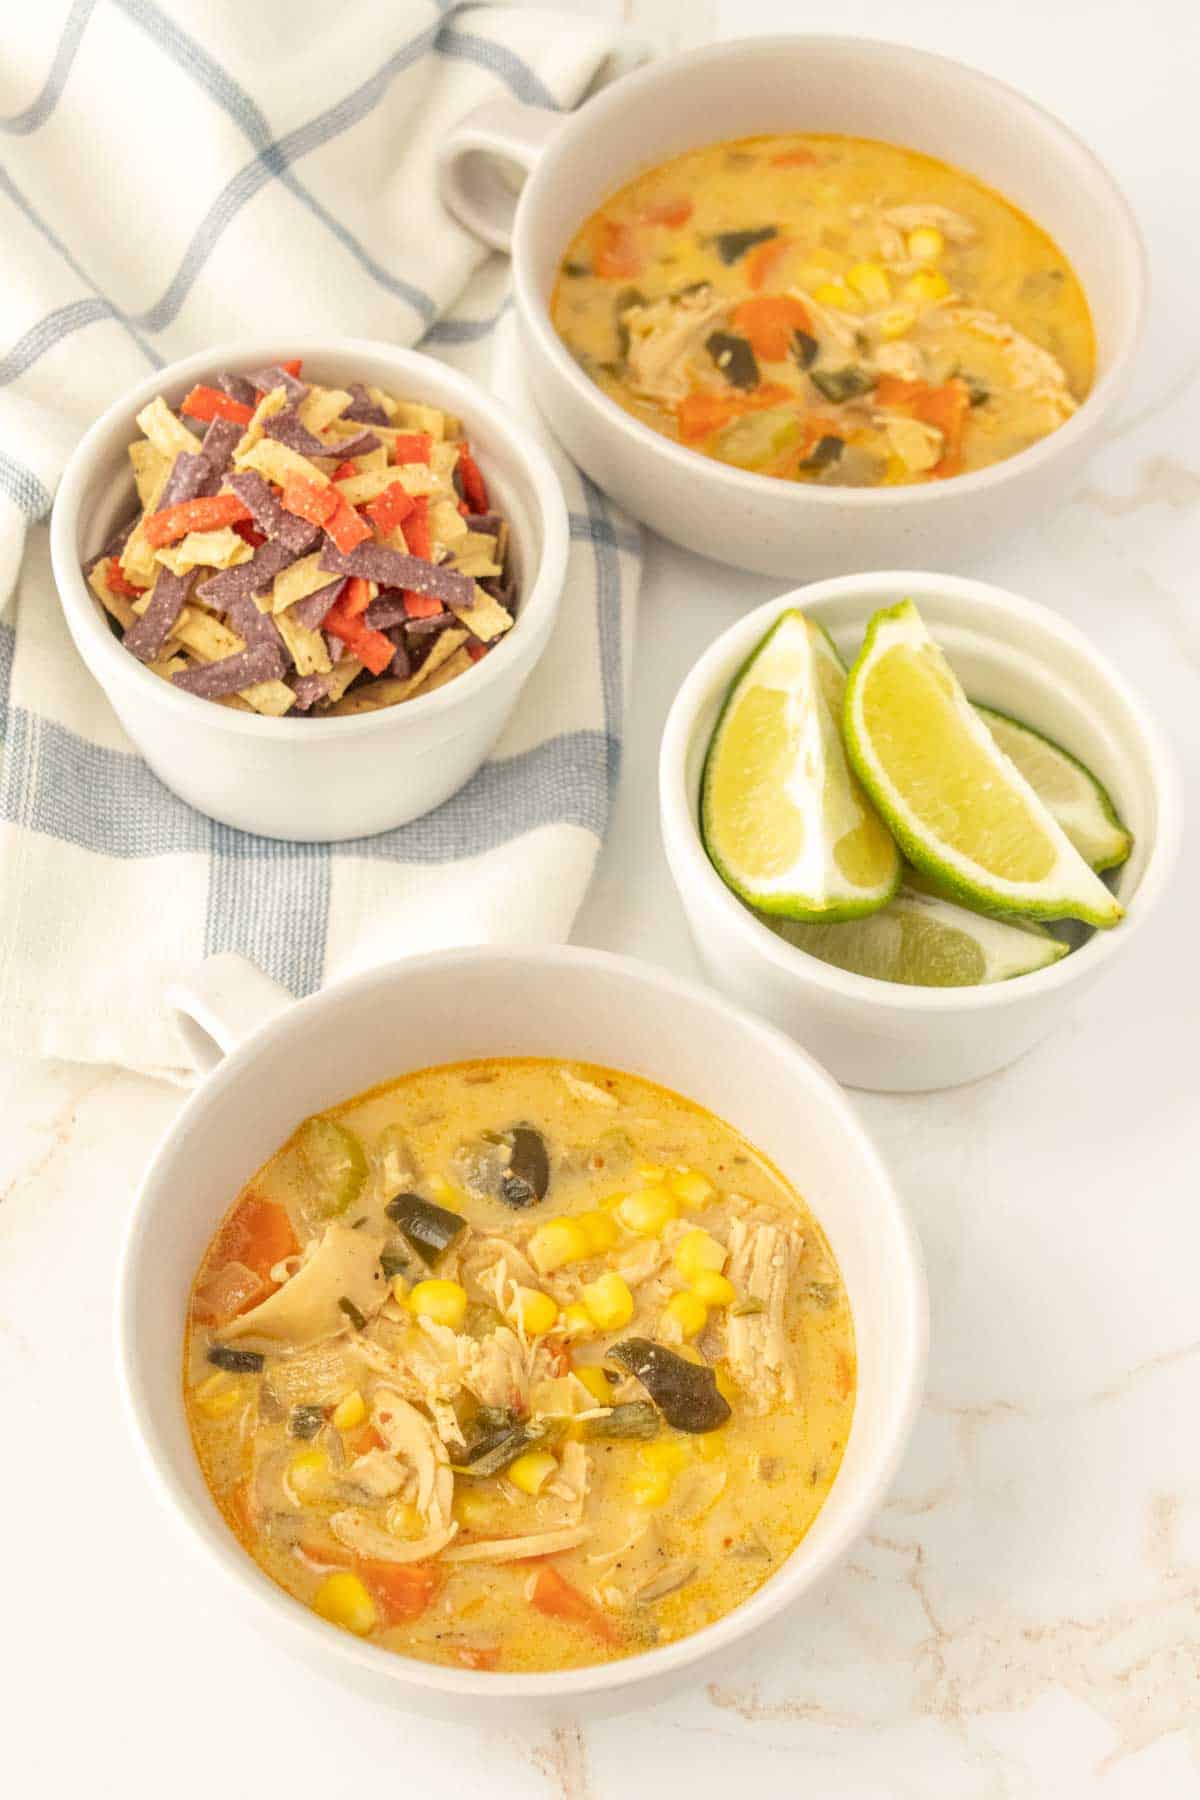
483	162
226	999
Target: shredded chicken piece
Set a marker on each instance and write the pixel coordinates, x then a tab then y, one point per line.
1032	369
919	446
491	1267
830	324
666	1581
495	1369
516	1549
762	1258
359	1532
344	1265
955	227
570	1485
666	340
900	358
586	1090
378	1472
409	1436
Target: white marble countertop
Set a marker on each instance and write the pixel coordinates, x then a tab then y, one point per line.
1024	1617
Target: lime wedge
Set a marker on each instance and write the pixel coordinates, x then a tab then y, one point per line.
956	805
1066	788
784	821
922	941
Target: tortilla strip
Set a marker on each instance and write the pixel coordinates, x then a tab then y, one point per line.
307	647
321	406
485	616
150	471
222	549
116	604
278	463
165	431
300	579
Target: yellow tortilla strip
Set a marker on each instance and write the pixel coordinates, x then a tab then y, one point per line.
419	478
384	400
150	471
116	604
409	416
447	523
139	562
206	638
445	646
307	646
321	406
475	555
270	404
277	462
368	484
166	666
451	669
222	549
443	459
372	698
164	430
299	580
486	617
344	673
271	697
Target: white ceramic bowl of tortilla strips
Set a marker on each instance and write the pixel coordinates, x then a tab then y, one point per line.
283	1060
317	780
822	84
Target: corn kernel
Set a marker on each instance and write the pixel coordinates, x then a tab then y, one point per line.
532	1471
649	1212
834	293
577	1320
599	1230
651	1488
556	1243
692	1189
399	1290
714	1289
689	1313
404	1519
344	1600
609	1301
536	1311
474	1508
726	1385
443	1301
927	284
217	1397
611	1202
596	1382
350	1411
306	1473
697	1250
664	1455
870	280
445	1195
925	244
894	322
650	1174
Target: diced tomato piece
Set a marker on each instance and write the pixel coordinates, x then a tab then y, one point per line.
259	1234
208	513
667	212
345	527
475	650
345	470
308	499
210	403
554	1596
702	413
371	647
770	321
619	255
115	577
402	1590
795	159
390	509
474	487
240	1508
249	531
329	1555
362	1440
417	533
355	597
421	606
478	1656
946	408
762	260
415	447
293	368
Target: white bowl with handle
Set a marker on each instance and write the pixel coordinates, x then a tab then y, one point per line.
273	1061
743	88
317	780
1015	656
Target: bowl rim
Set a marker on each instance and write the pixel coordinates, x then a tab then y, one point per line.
108	660
905	1328
877	588
598	113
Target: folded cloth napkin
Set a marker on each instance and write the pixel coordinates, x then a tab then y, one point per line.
173	178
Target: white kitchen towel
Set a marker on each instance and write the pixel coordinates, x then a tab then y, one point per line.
173	175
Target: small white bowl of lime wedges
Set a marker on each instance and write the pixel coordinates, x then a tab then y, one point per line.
910	817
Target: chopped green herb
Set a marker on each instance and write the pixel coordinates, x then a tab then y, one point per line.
236	1362
305	1421
824	453
804	349
731	246
734	357
356	1318
842	384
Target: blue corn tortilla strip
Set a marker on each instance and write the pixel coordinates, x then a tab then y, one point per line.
386	611
272	518
239	389
334	645
257	628
220	441
393	569
268	379
362	409
359	445
419	628
248	578
192	477
308	689
286	428
212	681
147	635
312	609
114	546
402	661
